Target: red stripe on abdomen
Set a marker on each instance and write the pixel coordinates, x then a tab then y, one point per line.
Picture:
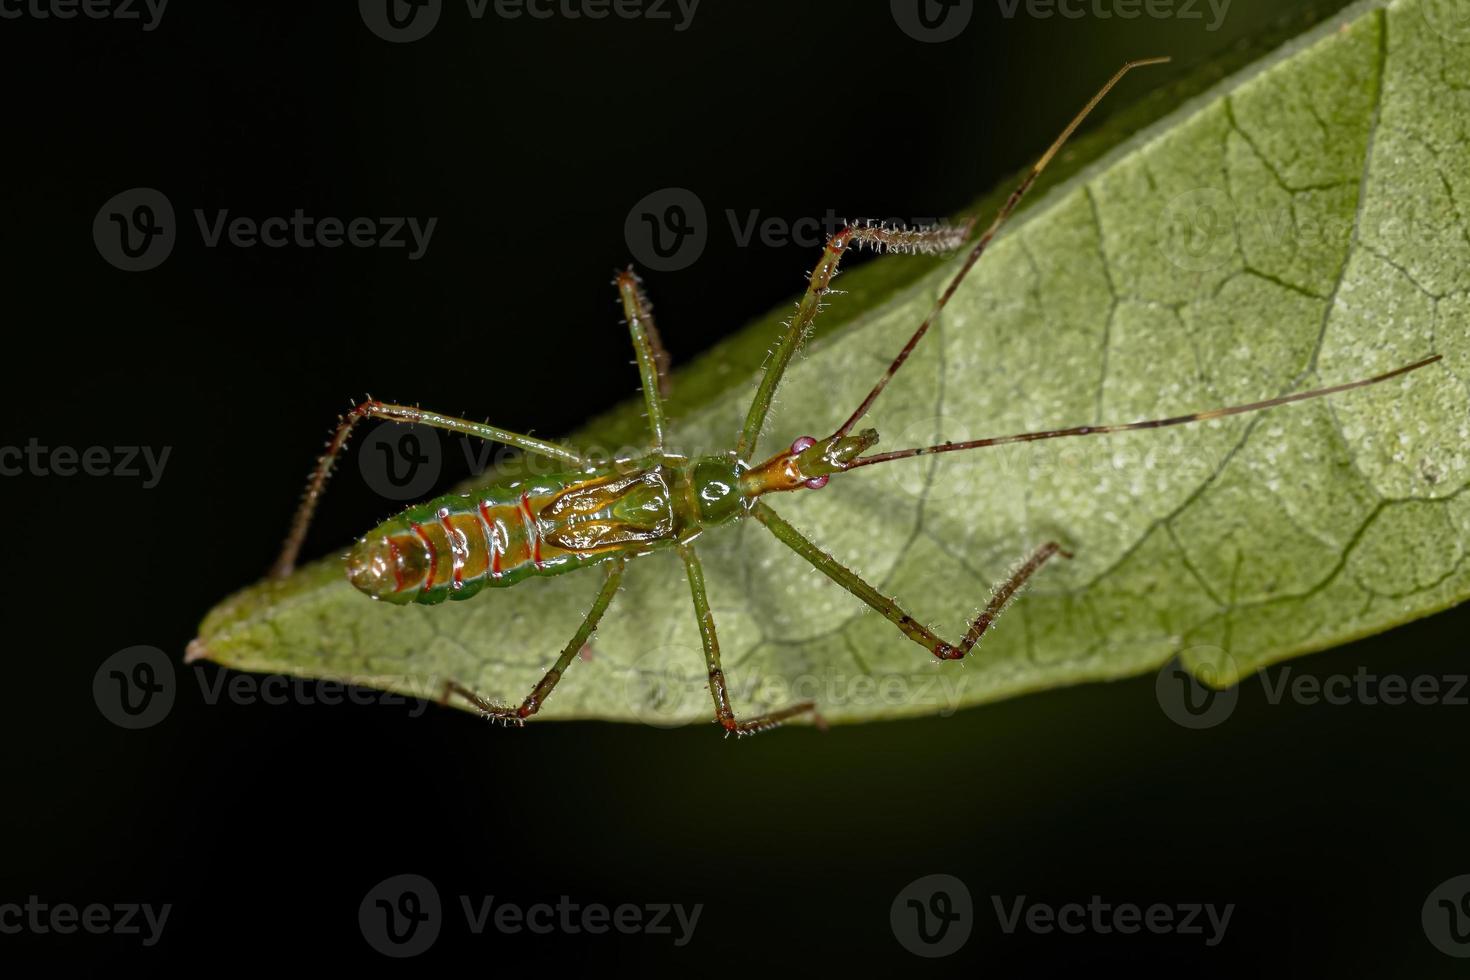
397	557
433	555
456	550
533	530
492	540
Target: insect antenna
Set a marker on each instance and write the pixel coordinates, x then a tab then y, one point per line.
1097	430
983	242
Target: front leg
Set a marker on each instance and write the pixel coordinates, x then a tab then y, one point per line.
653	360
724	713
891	610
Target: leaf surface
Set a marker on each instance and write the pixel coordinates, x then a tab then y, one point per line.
1298	224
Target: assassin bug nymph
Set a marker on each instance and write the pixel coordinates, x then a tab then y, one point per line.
456	545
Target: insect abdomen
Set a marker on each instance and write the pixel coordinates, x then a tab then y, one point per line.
455	546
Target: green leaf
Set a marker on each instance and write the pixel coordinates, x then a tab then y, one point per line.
1297	224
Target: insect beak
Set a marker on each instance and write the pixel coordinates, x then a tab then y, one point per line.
832	454
808	464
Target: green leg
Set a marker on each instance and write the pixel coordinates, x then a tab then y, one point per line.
653	360
724	713
543	689
317	482
890	608
930	241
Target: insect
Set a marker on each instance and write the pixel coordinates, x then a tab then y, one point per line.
586	514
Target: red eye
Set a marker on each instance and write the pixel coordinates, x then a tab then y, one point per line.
800	446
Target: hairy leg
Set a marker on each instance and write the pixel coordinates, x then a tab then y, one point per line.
543	688
317	482
890	608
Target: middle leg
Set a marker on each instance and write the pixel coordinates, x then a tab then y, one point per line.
718	690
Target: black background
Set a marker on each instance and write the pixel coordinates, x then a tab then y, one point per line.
264	826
